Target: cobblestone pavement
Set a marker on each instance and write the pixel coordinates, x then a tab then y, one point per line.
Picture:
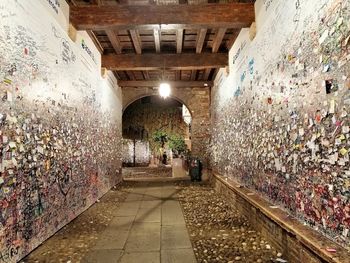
218	232
157	222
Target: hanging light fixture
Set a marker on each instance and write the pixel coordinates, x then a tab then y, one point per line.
164	90
164	87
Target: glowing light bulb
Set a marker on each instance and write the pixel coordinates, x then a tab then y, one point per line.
164	90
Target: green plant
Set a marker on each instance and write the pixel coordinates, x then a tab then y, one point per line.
157	141
177	144
160	137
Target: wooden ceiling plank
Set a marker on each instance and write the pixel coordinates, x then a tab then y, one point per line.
157	34
114	39
179	40
218	39
151	83
135	37
228	15
200	39
183	61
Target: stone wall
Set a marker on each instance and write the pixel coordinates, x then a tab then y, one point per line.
281	116
60	126
197	100
153	116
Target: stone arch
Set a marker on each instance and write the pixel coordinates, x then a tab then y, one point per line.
197	100
128	99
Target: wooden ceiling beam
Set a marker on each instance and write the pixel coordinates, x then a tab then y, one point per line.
95	40
175	84
184	61
179	40
116	74
193	74
178	75
200	39
232	39
91	34
219	36
113	37
156	34
206	74
145	75
228	15
130	75
135	38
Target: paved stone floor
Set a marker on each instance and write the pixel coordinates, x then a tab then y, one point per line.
148	227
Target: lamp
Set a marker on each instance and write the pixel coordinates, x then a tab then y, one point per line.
164	88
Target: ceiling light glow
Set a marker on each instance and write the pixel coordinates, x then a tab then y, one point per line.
164	90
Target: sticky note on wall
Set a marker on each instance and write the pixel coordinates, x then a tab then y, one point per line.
343	151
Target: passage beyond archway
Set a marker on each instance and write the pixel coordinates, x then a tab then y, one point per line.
147	118
197	100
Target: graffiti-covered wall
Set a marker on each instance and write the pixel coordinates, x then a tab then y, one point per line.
281	115
137	149
60	126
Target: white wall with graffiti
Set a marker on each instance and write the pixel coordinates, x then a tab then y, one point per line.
60	125
280	118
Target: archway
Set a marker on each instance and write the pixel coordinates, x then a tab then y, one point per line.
197	100
154	127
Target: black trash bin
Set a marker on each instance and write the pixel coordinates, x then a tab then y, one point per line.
195	169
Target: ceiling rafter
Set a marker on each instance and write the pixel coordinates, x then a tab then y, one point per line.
155	83
179	40
130	75
126	25
232	39
184	61
145	75
114	39
200	39
219	36
193	74
157	36
135	37
91	34
206	74
228	15
178	75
